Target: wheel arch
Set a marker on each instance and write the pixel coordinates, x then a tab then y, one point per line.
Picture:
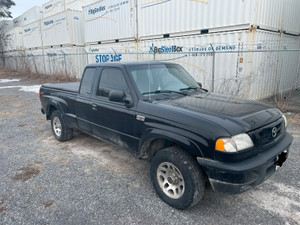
157	140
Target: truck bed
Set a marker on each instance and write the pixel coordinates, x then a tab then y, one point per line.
70	87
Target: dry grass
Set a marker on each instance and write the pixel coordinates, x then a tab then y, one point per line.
37	78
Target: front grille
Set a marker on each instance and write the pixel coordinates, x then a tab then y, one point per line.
268	134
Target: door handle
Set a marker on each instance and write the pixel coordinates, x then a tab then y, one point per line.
94	107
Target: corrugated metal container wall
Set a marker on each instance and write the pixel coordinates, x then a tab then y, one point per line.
69	60
78	4
6	25
113	52
110	20
64	28
32	15
156	18
53	7
19	21
255	70
277	15
32	37
35	61
14	39
57	6
292	16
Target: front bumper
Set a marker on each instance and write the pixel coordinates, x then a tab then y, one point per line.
241	176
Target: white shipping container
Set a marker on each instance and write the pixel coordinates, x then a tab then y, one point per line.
6	25
32	15
255	73
53	7
78	4
254	70
113	52
66	60
109	20
32	36
156	18
57	6
13	39
64	28
18	21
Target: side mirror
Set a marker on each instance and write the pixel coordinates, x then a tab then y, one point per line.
200	85
116	96
120	96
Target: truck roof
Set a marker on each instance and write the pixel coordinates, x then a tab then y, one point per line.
114	64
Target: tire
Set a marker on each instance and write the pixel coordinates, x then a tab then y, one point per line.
177	178
59	129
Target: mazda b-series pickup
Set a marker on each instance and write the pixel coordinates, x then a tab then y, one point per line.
190	135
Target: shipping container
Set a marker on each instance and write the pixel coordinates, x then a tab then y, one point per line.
6	25
57	6
167	17
32	36
13	39
253	72
18	21
65	28
69	61
78	4
32	15
110	20
113	52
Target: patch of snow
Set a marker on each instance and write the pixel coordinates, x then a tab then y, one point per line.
33	88
9	80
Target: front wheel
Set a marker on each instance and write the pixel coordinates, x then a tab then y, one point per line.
177	178
59	129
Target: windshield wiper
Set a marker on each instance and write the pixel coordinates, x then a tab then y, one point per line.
163	92
188	88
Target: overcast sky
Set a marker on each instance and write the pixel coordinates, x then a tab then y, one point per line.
23	5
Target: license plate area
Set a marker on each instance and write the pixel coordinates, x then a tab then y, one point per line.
281	159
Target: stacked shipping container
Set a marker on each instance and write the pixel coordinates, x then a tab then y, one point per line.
67	24
110	29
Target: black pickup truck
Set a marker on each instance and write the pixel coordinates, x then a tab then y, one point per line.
191	136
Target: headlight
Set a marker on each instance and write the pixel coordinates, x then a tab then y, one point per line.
285	120
236	143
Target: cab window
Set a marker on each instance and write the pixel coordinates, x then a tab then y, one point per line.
87	81
111	79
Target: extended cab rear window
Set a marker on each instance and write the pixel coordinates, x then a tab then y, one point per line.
87	81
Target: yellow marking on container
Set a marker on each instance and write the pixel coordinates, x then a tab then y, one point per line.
199	1
101	17
149	3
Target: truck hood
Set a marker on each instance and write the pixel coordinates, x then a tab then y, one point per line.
236	114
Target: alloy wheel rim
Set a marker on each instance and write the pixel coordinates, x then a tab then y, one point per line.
57	126
170	180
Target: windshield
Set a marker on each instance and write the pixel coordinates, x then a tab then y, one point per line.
154	79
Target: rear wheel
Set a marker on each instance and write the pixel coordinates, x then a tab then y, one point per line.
177	178
59	129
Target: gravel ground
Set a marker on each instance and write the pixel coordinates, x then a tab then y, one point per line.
87	181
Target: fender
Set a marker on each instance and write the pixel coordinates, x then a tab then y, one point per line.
186	143
58	103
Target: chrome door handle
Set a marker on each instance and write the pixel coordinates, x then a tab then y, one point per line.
94	107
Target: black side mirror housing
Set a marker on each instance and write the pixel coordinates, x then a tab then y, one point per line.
200	85
116	96
120	96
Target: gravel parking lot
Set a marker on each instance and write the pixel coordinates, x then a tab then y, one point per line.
87	181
